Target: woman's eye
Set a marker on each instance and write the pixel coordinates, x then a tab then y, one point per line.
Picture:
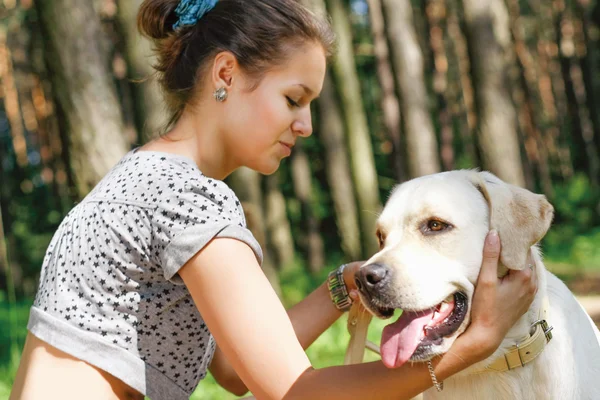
435	225
291	102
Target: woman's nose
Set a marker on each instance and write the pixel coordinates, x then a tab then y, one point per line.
302	126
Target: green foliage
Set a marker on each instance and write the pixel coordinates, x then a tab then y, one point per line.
586	251
9	350
574	237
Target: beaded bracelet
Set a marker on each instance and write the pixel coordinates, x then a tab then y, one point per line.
439	386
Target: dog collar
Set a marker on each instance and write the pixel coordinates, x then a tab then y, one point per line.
526	351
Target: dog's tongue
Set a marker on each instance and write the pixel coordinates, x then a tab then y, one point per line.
400	339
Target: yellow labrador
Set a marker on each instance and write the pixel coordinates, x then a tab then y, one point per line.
432	231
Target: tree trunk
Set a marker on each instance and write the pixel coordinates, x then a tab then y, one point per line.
545	54
151	115
359	141
312	241
390	105
581	126
460	90
590	62
529	104
436	13
331	134
338	166
85	94
407	59
490	50
279	233
12	108
246	185
561	129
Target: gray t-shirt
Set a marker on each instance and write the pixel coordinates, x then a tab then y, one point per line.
109	291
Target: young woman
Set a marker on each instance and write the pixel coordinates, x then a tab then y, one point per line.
153	278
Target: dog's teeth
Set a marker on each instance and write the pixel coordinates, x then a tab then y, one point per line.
444	307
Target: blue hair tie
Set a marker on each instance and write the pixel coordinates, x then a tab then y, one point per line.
190	11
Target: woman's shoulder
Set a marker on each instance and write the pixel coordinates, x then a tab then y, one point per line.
151	177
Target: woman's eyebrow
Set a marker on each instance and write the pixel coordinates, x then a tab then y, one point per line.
308	90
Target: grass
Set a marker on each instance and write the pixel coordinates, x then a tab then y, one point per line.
10	348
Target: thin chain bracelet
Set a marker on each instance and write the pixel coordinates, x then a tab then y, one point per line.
439	386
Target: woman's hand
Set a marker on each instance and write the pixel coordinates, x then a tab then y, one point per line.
497	302
349	272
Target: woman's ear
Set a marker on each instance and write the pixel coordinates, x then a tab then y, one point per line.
225	67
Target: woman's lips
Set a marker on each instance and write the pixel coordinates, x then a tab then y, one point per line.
287	148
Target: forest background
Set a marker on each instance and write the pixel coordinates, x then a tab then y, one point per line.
416	87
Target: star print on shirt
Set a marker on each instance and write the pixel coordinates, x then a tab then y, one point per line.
107	263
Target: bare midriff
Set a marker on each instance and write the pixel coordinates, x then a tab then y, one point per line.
48	373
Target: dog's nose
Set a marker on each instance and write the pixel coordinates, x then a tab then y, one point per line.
372	275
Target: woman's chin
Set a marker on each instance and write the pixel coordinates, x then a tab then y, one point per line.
266	168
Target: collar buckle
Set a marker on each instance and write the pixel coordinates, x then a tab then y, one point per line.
545	327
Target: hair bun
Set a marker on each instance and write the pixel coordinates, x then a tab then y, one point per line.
156	18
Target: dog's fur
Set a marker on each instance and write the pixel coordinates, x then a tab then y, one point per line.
426	268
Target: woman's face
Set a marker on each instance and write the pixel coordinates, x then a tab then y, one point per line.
265	123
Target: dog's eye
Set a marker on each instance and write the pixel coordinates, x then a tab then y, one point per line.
434	226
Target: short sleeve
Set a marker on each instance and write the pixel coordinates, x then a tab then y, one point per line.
190	216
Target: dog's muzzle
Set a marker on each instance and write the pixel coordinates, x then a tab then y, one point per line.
371	279
374	281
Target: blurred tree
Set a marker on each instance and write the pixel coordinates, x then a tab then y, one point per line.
436	15
573	49
359	141
407	59
490	48
82	84
331	134
529	76
460	87
311	240
151	115
246	185
560	131
528	104
590	59
390	104
33	190
277	223
550	93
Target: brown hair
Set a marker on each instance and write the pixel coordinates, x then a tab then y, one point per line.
260	33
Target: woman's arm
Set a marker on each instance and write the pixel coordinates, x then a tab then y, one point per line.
314	314
254	332
310	318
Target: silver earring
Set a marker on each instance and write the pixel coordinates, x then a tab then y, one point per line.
220	94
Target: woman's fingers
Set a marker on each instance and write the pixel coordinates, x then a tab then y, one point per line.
498	303
521	284
488	274
349	274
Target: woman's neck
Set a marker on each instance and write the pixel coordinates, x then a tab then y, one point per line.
198	138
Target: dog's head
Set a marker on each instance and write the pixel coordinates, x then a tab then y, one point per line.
431	234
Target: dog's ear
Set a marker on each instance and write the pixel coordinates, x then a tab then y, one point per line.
521	217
